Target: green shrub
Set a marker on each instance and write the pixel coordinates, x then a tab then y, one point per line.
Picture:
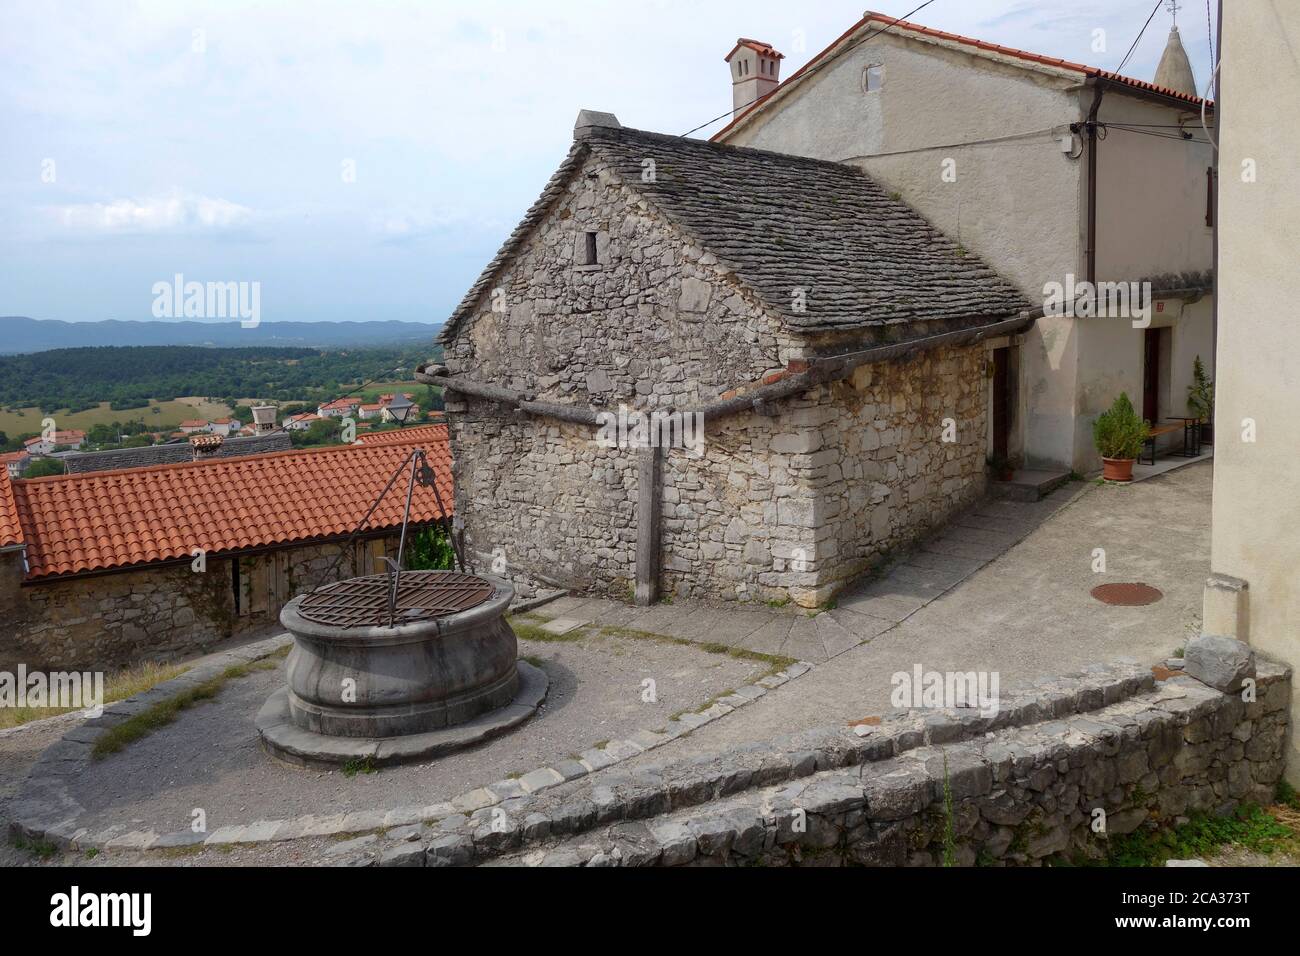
1200	394
1118	432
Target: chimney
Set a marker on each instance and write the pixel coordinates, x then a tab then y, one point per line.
589	120
755	72
1175	70
205	446
263	419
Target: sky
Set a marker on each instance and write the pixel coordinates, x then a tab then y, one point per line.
364	160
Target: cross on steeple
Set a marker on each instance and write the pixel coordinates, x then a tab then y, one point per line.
1173	6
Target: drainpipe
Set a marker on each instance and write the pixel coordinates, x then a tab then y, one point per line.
1091	252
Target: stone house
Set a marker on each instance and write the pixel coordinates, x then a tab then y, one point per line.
108	568
817	354
1055	173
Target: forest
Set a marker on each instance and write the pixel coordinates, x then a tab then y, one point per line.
132	376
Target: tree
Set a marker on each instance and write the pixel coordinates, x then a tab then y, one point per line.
42	467
323	432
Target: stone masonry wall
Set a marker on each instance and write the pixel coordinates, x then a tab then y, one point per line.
657	322
794	505
1020	787
154	614
790	505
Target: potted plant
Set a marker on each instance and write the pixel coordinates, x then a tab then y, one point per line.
1200	400
1119	434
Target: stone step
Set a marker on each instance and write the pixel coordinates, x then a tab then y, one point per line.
1029	484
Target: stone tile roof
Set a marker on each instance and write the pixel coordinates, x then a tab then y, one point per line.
119	458
782	223
138	516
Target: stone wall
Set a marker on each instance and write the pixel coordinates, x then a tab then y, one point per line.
154	614
796	504
791	505
657	322
1017	788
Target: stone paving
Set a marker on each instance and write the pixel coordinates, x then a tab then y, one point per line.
863	612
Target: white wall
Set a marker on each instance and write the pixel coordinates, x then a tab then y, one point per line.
1256	529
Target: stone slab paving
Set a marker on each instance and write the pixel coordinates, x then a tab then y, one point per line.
209	757
860	614
1026	616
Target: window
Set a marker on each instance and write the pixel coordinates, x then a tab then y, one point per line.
591	250
873	77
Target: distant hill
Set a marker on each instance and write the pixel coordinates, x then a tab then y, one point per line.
19	334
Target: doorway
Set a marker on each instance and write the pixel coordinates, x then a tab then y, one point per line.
1001	404
1152	341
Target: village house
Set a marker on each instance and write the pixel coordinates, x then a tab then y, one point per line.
300	422
16	462
59	440
195	425
820	353
1055	173
109	568
339	408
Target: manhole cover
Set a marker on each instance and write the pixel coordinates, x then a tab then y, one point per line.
1127	595
421	596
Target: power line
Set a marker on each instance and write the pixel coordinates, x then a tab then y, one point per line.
1120	68
810	71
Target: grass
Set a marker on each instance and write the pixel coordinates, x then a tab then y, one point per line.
164	712
527	627
37	848
117	686
170	414
359	765
1252	828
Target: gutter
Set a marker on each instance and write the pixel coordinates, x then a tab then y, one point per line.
818	371
1090	253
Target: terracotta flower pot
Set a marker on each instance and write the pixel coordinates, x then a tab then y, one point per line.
1117	469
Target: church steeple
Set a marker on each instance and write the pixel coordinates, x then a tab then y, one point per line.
1175	70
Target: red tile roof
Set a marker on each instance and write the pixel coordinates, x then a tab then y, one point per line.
885	20
11	531
118	519
416	434
758	46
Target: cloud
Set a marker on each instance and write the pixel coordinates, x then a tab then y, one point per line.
178	213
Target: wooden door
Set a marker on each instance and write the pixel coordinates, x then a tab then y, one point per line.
1151	375
1001	404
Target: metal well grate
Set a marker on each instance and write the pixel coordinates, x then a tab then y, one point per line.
421	596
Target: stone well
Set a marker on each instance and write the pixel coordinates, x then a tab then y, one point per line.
444	674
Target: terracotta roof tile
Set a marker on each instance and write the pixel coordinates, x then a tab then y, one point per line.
881	20
437	434
115	519
11	532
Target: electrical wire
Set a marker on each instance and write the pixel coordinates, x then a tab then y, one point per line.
810	71
1120	68
1010	137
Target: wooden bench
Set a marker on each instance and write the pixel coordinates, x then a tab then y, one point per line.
1154	432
